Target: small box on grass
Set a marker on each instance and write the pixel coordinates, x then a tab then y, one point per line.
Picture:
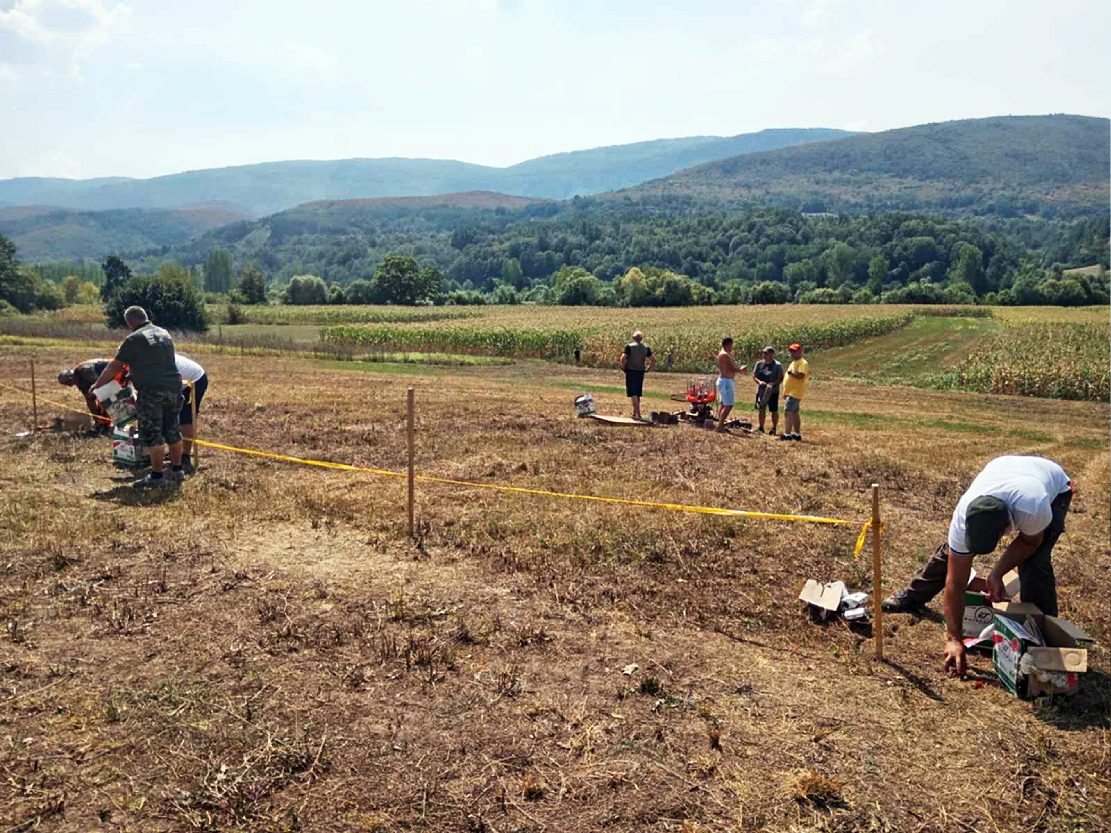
1035	654
126	447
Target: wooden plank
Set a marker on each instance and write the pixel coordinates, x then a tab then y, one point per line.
618	420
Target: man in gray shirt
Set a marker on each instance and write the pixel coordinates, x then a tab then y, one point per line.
636	360
149	353
768	374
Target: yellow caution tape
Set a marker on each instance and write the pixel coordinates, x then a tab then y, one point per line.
646	504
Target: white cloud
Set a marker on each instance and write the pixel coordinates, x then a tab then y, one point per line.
764	48
300	57
856	53
58	33
817	13
133	66
308	58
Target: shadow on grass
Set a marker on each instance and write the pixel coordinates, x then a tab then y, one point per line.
126	495
1089	708
918	682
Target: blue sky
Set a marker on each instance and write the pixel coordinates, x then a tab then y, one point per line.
100	87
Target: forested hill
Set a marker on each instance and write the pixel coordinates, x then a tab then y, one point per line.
44	233
1050	166
275	186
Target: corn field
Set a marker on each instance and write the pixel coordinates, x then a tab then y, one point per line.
289	314
1061	360
692	335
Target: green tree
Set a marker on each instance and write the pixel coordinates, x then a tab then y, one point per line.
511	273
769	292
877	274
219	274
170	299
116	274
252	283
400	280
968	268
632	288
305	289
360	292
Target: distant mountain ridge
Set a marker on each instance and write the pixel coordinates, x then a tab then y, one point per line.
44	233
1011	165
270	187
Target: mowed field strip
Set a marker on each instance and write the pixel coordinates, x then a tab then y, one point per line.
265	649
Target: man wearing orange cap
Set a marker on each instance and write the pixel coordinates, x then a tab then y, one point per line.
793	388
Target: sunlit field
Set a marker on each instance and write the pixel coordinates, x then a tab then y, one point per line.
266	649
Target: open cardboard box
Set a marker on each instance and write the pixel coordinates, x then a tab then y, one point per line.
1052	667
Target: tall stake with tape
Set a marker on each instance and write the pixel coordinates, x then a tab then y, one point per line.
877	570
412	530
194	449
34	401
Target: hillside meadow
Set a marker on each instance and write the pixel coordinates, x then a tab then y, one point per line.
266	649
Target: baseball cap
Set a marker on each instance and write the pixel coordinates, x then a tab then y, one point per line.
769	349
795	347
64	377
984	522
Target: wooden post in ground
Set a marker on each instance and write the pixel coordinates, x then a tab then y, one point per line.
34	401
412	529
877	571
196	449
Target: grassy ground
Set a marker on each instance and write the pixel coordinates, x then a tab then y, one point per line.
266	650
924	348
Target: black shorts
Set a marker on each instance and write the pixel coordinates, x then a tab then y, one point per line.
634	382
200	386
770	401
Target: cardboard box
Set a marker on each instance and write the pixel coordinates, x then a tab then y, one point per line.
118	402
126	448
1035	654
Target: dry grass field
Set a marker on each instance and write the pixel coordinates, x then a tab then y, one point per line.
265	649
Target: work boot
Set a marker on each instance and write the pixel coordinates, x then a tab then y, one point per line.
901	603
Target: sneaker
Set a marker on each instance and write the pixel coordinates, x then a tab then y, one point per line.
759	430
797	437
900	603
188	466
175	475
785	436
150	482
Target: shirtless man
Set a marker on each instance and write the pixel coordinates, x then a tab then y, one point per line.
726	371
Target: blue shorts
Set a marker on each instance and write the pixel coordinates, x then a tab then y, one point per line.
726	391
791	404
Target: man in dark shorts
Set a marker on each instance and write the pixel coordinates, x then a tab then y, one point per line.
83	377
149	353
636	361
768	374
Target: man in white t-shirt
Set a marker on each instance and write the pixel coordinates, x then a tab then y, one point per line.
194	374
1029	496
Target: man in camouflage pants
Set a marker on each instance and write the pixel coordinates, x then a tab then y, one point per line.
149	353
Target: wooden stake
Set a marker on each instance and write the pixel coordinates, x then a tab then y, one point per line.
34	401
877	571
196	449
412	529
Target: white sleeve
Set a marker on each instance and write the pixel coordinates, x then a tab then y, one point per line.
1031	523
